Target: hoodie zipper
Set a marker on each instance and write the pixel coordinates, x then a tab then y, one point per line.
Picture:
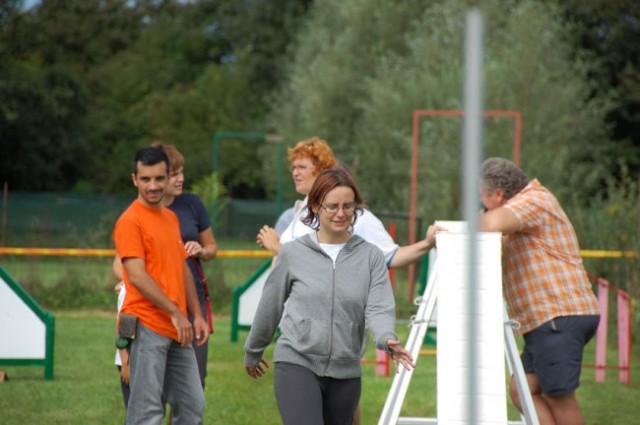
333	300
333	303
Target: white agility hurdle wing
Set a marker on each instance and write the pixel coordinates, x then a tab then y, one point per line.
493	341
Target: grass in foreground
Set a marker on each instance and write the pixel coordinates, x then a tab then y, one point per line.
85	389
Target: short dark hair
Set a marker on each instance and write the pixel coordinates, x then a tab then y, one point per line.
500	173
325	183
149	155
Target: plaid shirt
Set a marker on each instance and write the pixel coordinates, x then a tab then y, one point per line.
543	275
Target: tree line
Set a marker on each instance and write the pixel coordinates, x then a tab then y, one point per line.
83	83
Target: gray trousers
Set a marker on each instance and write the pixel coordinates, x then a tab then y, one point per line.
160	366
305	398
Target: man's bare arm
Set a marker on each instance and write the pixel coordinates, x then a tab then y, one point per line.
500	219
148	287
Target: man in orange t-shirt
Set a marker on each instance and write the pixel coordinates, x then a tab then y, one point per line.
160	290
545	285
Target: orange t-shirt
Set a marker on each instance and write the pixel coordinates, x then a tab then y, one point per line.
154	236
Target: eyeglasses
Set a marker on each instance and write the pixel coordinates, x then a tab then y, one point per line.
333	208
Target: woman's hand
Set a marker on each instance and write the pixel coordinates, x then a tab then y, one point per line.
124	369
194	249
269	239
259	370
400	355
431	234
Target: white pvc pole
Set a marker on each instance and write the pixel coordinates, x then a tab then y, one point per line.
472	152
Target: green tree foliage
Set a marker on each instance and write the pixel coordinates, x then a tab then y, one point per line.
213	195
174	84
47	102
52	99
361	68
611	29
83	83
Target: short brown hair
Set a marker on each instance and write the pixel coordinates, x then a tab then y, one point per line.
176	160
500	173
326	181
317	150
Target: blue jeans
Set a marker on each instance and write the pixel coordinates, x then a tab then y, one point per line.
159	365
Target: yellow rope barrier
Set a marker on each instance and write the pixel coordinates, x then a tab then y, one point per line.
79	252
82	252
607	254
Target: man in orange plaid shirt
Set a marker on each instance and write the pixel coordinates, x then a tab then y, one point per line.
545	285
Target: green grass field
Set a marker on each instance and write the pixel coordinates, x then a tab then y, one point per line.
85	388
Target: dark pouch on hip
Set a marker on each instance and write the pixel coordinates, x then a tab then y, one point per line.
127	325
126	330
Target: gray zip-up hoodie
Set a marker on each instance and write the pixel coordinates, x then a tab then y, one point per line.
322	326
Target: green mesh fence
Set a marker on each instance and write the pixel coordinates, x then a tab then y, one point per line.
243	218
68	220
59	219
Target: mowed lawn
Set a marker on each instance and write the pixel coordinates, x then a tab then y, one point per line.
85	388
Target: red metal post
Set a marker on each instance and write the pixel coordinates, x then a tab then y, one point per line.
415	142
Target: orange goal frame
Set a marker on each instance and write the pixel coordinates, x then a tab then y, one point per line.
413	194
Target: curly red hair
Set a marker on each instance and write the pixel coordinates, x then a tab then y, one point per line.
317	150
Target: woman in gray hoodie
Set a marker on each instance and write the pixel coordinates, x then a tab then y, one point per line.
331	282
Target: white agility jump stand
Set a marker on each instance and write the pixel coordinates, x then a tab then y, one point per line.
245	300
27	331
494	339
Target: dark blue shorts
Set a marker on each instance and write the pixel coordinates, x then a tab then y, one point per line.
554	350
